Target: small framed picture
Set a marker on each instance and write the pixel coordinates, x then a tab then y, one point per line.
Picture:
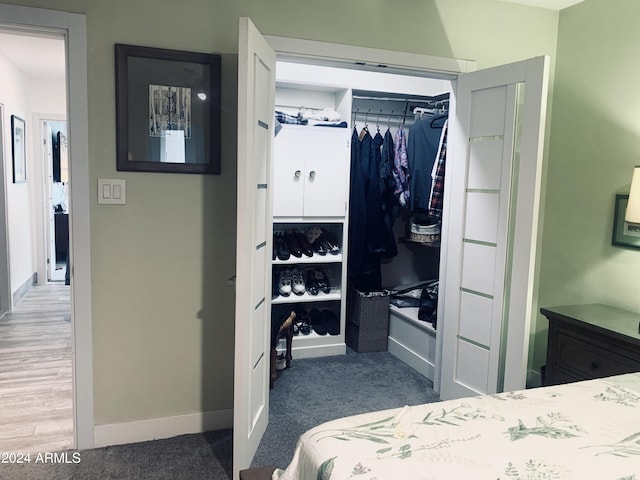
624	234
18	150
167	110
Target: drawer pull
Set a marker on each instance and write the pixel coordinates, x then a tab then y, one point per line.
297	173
595	365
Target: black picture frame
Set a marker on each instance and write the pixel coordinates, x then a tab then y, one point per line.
167	110
18	149
624	234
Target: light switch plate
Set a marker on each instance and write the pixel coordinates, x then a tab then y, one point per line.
111	191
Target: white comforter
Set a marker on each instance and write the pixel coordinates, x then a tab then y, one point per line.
586	430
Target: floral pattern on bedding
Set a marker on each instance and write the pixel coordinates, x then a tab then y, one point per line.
586	430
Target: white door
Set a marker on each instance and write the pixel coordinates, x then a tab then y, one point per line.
49	214
490	230
256	93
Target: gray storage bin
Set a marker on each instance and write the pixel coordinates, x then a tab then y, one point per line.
368	321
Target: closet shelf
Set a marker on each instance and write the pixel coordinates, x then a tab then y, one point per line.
334	294
310	260
424	244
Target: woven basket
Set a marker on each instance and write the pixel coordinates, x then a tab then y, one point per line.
424	233
368	325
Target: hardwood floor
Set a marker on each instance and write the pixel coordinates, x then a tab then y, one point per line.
36	408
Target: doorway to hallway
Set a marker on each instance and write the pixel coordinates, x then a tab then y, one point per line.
36	381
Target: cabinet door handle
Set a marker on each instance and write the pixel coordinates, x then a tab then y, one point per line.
595	365
298	173
312	174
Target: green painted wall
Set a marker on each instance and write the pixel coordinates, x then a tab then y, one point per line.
595	142
163	315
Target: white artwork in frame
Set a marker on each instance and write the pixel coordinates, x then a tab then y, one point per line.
169	110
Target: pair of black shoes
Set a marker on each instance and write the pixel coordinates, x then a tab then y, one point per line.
317	281
297	243
291	242
301	324
325	244
324	321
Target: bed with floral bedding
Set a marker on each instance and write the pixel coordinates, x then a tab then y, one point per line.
585	430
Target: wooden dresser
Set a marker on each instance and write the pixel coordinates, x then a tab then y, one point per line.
590	341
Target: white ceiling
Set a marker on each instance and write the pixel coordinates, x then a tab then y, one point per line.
37	57
550	4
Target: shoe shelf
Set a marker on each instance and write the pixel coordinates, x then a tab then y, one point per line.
310	185
310	260
334	294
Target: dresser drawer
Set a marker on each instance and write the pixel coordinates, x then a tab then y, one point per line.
590	341
586	359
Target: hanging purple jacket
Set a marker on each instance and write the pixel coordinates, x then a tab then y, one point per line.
401	168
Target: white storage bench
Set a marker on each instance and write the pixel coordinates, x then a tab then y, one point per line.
411	340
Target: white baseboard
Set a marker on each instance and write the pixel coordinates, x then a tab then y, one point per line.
157	428
315	351
23	289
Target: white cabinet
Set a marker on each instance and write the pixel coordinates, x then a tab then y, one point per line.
311	171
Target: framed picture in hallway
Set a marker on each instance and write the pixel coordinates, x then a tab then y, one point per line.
167	110
18	151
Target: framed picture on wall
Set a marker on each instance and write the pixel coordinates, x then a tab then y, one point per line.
167	110
18	150
624	234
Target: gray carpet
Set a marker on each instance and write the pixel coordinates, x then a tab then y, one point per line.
317	390
312	391
202	456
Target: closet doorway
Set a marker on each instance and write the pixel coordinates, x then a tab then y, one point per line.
481	135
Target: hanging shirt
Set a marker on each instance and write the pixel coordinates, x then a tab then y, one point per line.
377	232
401	168
437	187
387	187
357	210
422	146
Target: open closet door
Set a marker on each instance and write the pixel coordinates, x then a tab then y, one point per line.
491	227
256	92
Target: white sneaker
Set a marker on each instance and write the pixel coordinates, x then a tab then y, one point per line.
284	282
297	281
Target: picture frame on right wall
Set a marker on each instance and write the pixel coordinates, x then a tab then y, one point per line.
624	234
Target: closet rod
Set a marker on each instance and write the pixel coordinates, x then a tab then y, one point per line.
396	99
298	107
375	114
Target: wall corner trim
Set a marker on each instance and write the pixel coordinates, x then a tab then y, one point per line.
165	427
